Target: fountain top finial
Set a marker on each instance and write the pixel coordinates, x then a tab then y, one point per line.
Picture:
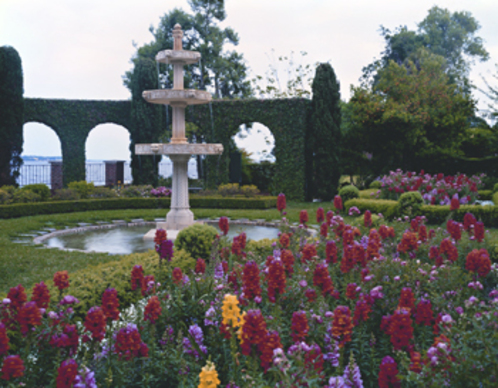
177	37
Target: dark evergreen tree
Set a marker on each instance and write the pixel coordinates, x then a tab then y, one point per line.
147	122
324	135
11	115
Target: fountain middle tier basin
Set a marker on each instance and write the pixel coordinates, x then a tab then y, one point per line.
178	149
177	96
182	57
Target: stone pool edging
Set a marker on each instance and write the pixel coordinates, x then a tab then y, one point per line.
38	240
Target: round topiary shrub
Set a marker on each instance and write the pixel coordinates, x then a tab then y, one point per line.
197	240
349	192
410	203
39	188
84	188
25	196
376	185
66	195
4	197
495	188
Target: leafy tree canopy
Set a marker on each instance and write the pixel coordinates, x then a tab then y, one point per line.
410	118
450	35
220	71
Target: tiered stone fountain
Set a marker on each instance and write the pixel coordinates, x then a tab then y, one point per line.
178	149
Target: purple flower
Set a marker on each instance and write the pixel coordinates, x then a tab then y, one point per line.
303	283
85	379
165	250
69	299
6	301
195	332
459	310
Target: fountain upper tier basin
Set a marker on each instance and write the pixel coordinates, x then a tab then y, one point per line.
180	57
178	149
177	96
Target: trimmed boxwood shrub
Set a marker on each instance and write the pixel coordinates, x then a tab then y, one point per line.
39	188
376	185
410	203
197	240
485	195
32	209
387	207
349	192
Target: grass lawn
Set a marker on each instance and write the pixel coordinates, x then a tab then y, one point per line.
30	264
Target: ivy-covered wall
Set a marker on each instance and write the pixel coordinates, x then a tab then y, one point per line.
73	120
285	118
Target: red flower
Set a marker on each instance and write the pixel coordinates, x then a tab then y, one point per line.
351	291
401	328
408	242
253	331
95	323
147	287
454	229
200	266
338	203
4	340
29	317
374	244
479	231
299	326
324	230
152	310
468	222
13	367
66	373
359	255
362	310
110	304
276	279
367	219
69	338
160	236
177	275
478	261
288	259
61	280
388	373
284	240
223	225
17	297
348	260
329	216
347	237
137	277
243	240
454	204
424	314
314	359
406	299
129	343
310	294
41	295
266	348
383	231
321	278
330	252
449	250
422	233
320	215
281	204
342	325
233	280
303	217
415	365
250	280
308	252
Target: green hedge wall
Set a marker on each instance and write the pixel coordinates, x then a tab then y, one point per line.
31	209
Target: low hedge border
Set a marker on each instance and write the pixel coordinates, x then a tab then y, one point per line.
38	208
434	214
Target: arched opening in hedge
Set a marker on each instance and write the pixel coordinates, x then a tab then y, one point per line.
256	143
40	145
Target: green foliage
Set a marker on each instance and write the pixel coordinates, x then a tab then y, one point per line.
103	192
4	197
39	188
375	185
135	191
83	188
262	176
25	196
323	140
495	188
234	189
410	203
262	248
66	195
349	192
412	118
197	240
11	115
388	208
485	195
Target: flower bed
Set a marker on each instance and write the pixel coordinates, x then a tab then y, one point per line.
435	189
399	305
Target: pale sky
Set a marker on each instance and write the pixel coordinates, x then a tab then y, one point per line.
79	49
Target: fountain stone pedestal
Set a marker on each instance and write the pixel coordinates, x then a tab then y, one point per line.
178	149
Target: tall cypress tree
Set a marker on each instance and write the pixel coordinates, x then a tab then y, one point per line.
324	135
147	121
11	115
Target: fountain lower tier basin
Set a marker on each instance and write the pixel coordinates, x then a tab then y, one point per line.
178	149
177	96
123	240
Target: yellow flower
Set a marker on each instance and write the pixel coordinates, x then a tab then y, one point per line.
242	319
209	376
230	309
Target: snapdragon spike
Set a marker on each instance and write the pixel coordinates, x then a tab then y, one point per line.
308	252
401	329
29	317
299	326
17	296
331	252
110	304
338	203
479	231
153	310
95	323
266	348
129	343
13	367
367	219
137	277
303	217
284	240
408	242
223	225
321	279
66	373
253	331
423	313
388	373
320	215
61	280
281	203
41	295
288	259
478	262
200	266
407	299
276	280
342	325
4	340
250	281
177	275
